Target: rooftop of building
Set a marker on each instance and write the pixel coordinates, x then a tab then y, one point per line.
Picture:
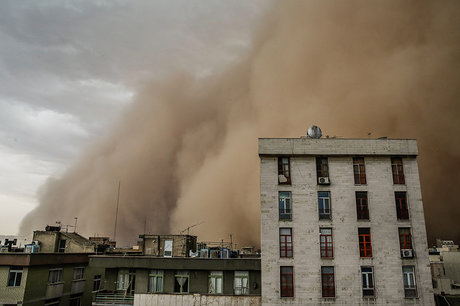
37	259
306	146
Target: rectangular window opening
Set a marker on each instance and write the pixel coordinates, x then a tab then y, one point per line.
326	243
327	282
359	170
402	210
365	244
367	274
284	170
215	285
241	283
324	205
410	284
15	276
286	247
155	281
362	206
322	170
397	170
285	205
181	283
287	281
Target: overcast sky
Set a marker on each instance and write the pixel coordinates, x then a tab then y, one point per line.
67	69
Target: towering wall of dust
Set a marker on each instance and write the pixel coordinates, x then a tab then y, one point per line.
186	151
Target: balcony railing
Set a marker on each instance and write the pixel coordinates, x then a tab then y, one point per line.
113	298
54	290
78	286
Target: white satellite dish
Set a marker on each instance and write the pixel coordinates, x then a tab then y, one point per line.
314	132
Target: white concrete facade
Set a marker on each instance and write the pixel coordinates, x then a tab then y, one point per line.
383	222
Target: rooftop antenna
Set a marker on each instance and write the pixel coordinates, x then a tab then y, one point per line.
75	226
314	132
116	213
188	228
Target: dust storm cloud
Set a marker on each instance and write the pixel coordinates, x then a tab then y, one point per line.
186	150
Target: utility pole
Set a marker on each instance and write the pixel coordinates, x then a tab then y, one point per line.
116	213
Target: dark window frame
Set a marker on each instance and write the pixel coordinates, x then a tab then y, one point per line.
326	243
285	207
284	169
368	281
287	281
365	242
362	205
322	167
324	213
327	282
410	290
359	171
286	243
397	169
405	239
15	276
402	207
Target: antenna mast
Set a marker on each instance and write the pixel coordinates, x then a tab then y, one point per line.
116	213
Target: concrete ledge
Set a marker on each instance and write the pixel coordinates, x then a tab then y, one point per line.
336	147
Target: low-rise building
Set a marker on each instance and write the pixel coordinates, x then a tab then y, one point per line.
168	245
47	279
130	276
445	271
52	240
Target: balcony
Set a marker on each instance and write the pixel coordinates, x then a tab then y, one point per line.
54	290
78	286
113	298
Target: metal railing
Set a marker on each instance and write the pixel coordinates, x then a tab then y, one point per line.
113	298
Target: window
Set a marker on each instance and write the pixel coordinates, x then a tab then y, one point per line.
326	244
155	281
55	276
168	250
362	207
359	170
126	280
215	282
52	302
97	282
410	287
241	283
327	282
181	282
398	170
322	168
285	205
15	277
365	245
324	205
284	170
367	274
78	273
61	246
74	301
405	239
285	242
287	281
402	210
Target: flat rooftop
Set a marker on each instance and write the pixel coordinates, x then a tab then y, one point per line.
306	146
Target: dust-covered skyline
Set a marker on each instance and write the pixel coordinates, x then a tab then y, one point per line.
186	149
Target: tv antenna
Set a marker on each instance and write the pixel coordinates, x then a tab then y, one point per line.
187	229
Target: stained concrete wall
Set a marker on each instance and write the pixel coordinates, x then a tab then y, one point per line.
194	300
11	295
383	222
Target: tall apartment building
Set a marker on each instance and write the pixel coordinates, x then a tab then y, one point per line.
342	222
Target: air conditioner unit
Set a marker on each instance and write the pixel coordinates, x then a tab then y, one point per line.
323	180
407	253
